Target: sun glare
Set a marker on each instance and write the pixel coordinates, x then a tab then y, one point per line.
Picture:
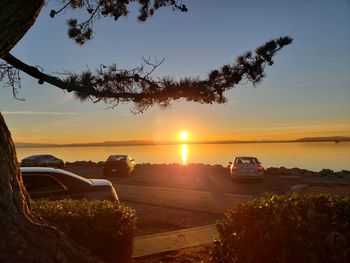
183	136
184	154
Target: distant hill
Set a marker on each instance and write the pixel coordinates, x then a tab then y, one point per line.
324	139
140	142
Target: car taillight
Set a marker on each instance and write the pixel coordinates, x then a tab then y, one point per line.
234	168
260	168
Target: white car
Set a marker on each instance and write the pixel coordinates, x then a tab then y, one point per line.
246	167
56	184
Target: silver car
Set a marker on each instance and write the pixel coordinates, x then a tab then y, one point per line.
56	184
246	167
44	160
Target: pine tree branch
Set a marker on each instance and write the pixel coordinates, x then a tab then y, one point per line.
112	85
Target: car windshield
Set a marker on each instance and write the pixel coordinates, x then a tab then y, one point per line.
117	158
75	176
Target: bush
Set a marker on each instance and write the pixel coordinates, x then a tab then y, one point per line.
106	228
286	229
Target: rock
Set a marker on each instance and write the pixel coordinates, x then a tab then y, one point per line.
272	171
296	171
326	172
343	173
284	171
310	174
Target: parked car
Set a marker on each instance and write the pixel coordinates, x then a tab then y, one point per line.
246	168
118	165
44	160
56	184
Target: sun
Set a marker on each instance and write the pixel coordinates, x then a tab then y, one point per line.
183	136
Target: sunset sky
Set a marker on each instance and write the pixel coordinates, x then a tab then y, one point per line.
306	92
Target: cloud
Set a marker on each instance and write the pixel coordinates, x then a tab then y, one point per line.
38	113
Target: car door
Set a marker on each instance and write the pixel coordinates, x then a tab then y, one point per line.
44	186
51	161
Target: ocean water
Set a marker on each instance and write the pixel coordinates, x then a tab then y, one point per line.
311	155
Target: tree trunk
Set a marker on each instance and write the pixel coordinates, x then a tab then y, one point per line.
22	238
16	17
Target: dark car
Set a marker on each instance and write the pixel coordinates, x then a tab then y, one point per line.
56	184
246	167
43	160
118	165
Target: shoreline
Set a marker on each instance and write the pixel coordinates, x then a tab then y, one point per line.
151	143
219	169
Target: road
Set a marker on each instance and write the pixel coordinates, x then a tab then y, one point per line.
180	198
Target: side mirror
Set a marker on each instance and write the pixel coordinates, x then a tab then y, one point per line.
230	163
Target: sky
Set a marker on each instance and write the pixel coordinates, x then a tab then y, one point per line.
305	94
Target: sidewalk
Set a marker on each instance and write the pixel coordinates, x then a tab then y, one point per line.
174	240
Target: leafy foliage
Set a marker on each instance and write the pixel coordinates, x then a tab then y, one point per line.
106	228
286	229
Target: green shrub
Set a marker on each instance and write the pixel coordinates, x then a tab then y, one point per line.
285	229
106	228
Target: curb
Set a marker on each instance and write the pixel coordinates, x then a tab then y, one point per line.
173	240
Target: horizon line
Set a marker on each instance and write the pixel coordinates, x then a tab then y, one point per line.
176	142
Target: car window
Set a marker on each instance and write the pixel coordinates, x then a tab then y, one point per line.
117	158
41	183
246	160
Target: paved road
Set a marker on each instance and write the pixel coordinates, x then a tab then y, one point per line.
180	198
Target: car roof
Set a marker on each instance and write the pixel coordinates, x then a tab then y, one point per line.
246	157
52	170
38	155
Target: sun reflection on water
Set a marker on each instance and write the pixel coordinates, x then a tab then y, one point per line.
184	154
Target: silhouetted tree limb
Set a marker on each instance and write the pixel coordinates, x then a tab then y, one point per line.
11	78
94	9
113	85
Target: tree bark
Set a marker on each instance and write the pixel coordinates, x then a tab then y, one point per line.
22	238
16	17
